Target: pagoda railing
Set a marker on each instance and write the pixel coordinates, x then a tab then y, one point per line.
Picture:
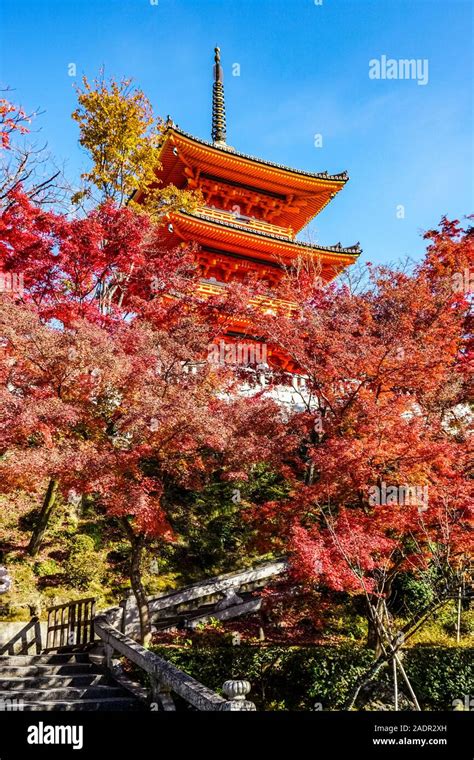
264	303
245	221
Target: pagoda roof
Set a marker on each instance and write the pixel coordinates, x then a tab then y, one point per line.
339	177
354	250
301	194
258	244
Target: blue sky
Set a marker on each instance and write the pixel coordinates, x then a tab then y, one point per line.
304	70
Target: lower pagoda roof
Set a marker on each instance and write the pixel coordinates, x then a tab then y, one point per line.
254	243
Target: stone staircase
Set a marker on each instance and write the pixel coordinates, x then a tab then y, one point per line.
65	680
90	676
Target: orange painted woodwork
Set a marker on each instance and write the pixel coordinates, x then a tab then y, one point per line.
252	208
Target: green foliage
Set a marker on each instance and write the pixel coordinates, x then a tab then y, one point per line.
83	566
448	620
94	530
47	567
440	675
214	530
441	630
297	677
301	678
342	620
160	584
59	573
410	593
212	623
23	591
218	537
265	485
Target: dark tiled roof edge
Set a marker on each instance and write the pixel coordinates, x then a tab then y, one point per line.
338	248
340	177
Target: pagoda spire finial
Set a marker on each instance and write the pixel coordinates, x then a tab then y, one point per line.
218	103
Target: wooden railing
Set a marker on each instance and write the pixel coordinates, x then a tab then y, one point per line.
263	303
25	640
245	221
70	624
166	679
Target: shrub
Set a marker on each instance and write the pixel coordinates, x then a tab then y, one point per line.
300	678
411	593
296	677
47	567
94	531
83	566
440	675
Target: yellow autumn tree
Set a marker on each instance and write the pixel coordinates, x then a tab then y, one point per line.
121	135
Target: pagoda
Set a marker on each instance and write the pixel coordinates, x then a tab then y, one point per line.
251	213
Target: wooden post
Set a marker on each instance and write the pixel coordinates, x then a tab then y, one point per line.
38	642
72	632
109	653
407	681
458	621
395	683
91	623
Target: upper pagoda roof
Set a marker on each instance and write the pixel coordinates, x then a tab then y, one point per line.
340	177
299	195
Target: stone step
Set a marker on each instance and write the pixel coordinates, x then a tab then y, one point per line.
47	681
98	705
68	693
52	658
70	669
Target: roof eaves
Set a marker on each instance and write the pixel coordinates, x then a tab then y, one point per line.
354	250
340	177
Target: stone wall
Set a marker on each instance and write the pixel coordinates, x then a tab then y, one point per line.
22	638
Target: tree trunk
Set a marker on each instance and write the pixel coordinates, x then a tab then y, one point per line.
43	519
138	544
139	591
373	633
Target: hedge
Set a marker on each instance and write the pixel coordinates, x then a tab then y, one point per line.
321	677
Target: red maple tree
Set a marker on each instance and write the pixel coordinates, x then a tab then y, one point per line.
107	390
388	373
